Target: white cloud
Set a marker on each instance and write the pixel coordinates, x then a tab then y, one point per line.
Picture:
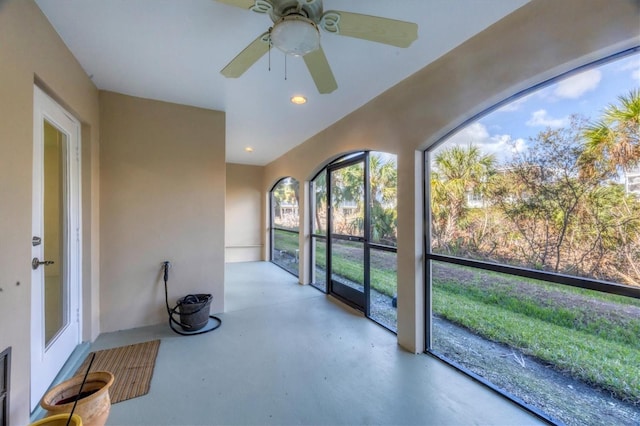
500	145
633	65
513	106
630	64
474	133
541	118
578	85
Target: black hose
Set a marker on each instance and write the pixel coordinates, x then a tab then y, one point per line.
171	312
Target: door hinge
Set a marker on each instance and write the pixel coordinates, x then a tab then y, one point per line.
78	315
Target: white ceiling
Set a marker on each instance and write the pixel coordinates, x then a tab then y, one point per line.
173	50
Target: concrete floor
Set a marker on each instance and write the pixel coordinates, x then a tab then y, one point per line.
287	354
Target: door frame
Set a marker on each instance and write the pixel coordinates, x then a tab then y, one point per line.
352	297
47	360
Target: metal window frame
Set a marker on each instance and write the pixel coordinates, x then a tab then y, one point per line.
312	265
557	278
273	227
354	159
323	237
368	245
5	386
552	277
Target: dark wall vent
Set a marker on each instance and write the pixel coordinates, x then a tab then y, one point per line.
5	375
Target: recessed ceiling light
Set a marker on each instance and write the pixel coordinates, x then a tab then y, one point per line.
298	100
248	149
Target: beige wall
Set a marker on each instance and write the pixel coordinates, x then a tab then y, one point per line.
536	42
162	198
163	176
244	213
30	51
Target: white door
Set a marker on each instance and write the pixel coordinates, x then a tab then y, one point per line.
56	252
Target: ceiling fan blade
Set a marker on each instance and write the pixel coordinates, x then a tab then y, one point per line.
245	4
320	71
373	28
259	6
247	57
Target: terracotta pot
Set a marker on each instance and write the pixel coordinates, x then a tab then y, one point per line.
94	403
59	420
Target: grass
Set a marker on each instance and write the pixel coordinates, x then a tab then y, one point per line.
599	349
569	290
285	241
578	317
345	264
553	323
385	282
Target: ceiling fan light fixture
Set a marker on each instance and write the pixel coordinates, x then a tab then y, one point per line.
295	35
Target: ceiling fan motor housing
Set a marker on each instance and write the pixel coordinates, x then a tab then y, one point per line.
311	9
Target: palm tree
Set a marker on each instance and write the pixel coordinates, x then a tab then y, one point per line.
320	191
457	172
613	142
383	180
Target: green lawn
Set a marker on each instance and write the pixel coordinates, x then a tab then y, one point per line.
286	241
598	347
556	324
382	280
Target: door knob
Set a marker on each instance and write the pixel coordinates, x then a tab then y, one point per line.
37	262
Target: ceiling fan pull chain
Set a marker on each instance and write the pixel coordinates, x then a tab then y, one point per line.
285	67
269	49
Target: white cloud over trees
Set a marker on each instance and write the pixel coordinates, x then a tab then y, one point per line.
502	146
541	118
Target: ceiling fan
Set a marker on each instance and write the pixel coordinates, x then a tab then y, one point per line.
295	32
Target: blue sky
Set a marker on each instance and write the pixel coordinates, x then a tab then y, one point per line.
586	93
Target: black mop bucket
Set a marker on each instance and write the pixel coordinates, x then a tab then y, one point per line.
194	311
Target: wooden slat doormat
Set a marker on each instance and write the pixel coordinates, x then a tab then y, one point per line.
132	367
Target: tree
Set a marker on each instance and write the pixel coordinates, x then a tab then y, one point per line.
613	142
457	172
347	190
383	179
540	192
607	244
347	187
286	192
320	191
